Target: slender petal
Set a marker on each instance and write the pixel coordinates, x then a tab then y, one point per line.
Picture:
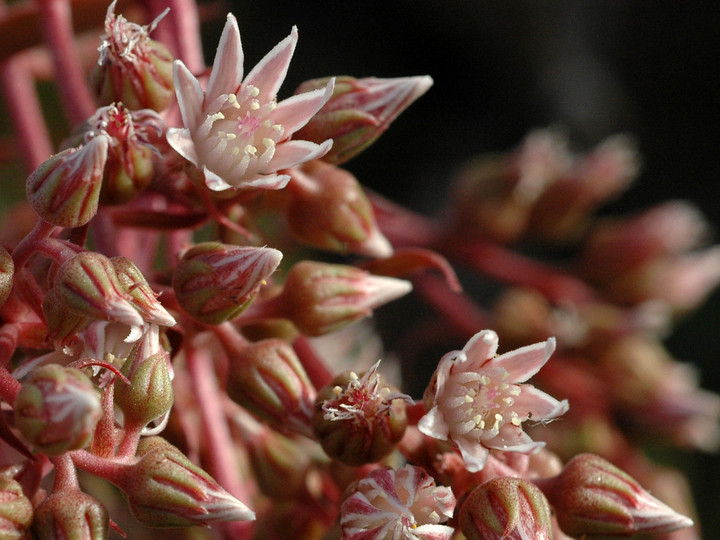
270	72
189	95
227	71
292	113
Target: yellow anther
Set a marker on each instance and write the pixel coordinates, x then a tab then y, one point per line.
254	104
268	142
250	150
468	399
337	390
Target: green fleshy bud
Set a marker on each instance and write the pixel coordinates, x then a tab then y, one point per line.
7	271
133	68
65	189
505	508
359	419
139	292
268	379
16	511
150	393
280	464
62	323
70	515
57	409
216	282
329	210
593	497
165	489
320	298
88	285
359	111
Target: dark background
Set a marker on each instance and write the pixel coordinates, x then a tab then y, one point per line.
651	69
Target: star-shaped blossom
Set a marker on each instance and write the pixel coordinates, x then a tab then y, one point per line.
402	504
475	398
235	131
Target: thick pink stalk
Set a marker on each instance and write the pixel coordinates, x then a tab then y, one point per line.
180	31
9	386
31	134
221	461
65	473
56	18
317	371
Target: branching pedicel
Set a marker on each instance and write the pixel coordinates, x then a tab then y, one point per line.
199	272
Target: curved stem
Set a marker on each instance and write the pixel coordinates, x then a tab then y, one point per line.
9	386
56	18
27	245
65	474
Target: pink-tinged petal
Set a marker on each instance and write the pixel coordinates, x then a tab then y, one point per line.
514	439
536	405
189	95
523	363
269	73
227	70
434	532
474	454
215	182
433	424
294	112
291	153
180	141
267	181
481	347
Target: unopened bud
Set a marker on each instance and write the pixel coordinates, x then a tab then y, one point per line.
149	394
133	68
57	409
133	138
65	189
506	508
139	292
7	270
320	298
215	282
592	496
359	111
88	285
165	489
359	419
62	323
16	510
71	514
330	211
268	379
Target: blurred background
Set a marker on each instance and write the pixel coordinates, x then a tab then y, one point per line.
501	69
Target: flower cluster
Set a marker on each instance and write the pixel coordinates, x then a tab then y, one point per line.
188	317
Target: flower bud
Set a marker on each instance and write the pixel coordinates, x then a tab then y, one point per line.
16	511
133	137
330	211
62	324
88	285
139	293
215	282
359	111
320	298
268	379
57	409
506	508
65	189
133	68
71	514
165	489
149	394
592	496
7	270
359	420
405	503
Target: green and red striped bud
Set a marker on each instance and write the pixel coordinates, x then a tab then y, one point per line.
268	379
70	514
16	510
320	298
216	282
506	508
57	409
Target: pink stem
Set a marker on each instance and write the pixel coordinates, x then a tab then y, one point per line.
56	18
506	266
23	105
104	440
27	245
219	443
65	474
111	470
182	33
9	386
317	371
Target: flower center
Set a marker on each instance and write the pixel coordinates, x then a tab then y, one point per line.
486	403
241	137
